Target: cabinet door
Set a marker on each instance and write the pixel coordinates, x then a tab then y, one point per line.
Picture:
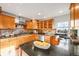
45	24
1	22
29	25
74	12
9	22
39	24
50	24
77	13
8	51
35	24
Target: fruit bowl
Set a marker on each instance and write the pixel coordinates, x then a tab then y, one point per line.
41	45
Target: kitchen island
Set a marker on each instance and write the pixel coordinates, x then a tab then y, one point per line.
14	42
17	40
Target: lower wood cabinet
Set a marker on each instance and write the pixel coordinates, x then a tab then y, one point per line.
10	46
8	51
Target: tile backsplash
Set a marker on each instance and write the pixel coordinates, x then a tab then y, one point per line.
7	32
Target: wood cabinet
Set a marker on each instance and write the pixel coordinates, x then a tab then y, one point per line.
8	51
50	23
10	46
16	41
35	25
74	11
74	15
29	25
45	24
7	22
39	24
32	24
1	21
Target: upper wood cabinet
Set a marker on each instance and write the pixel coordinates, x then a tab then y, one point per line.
1	21
74	15
7	22
35	25
28	25
74	11
39	24
45	24
49	23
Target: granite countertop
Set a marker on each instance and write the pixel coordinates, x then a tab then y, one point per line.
16	35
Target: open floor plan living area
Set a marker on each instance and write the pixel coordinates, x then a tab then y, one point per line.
39	29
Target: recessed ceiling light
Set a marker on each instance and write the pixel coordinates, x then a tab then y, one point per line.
44	17
33	18
20	14
61	11
39	13
49	17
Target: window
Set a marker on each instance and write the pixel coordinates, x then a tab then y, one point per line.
75	24
63	25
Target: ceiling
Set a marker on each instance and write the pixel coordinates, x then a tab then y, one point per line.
36	10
